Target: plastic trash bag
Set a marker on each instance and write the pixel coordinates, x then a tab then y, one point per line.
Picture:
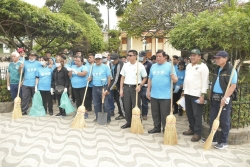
37	108
66	104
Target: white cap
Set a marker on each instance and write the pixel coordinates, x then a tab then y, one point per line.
105	54
98	56
15	53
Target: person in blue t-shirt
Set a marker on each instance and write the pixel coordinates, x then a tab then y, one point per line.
78	74
28	85
13	76
100	78
43	84
159	90
178	87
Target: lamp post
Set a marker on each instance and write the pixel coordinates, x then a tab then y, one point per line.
144	42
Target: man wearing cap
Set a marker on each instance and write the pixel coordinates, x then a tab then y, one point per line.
128	87
194	88
48	54
13	76
115	83
21	52
100	78
29	81
219	97
144	99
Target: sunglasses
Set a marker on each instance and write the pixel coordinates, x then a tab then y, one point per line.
130	55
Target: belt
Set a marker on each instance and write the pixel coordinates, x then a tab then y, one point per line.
130	85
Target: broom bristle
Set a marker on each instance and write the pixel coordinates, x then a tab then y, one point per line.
79	121
170	134
209	140
17	111
136	125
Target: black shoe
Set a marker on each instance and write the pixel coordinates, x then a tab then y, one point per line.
120	117
125	126
51	113
180	112
24	113
108	121
59	114
112	114
154	131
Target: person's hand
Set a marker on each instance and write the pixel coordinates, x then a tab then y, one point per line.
65	90
69	69
50	66
148	96
21	66
222	102
105	93
182	93
138	88
89	79
8	87
201	100
73	71
121	92
35	88
51	91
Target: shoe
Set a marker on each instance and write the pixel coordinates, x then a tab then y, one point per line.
144	117
120	117
89	109
175	112
24	113
188	132
180	112
59	114
51	113
221	146
125	126
195	138
108	121
112	113
154	131
213	142
95	120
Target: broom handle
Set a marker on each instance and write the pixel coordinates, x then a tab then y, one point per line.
136	96
229	83
171	102
86	89
21	73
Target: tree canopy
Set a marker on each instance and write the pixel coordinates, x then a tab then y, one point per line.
21	24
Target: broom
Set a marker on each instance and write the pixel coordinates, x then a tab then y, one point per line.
216	122
136	125
170	134
79	121
17	111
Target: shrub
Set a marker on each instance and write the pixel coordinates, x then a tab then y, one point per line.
4	93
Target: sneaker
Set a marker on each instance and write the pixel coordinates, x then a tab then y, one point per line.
24	113
59	114
120	117
189	132
195	138
144	117
221	146
213	142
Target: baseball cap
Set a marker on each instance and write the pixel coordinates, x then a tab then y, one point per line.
195	51
20	50
222	54
142	53
104	54
98	56
114	56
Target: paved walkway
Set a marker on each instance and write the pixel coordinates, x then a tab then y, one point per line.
50	142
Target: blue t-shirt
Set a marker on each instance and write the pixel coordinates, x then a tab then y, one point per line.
181	76
217	88
161	80
88	65
79	81
176	67
100	72
21	59
45	77
14	74
30	69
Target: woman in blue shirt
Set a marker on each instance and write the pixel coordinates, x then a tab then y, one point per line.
43	84
178	86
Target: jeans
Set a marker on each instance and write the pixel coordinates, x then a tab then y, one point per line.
144	101
111	101
14	90
97	100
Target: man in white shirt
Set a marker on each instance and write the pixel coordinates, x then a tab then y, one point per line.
195	87
128	87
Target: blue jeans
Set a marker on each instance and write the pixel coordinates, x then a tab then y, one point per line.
14	90
97	100
111	101
144	99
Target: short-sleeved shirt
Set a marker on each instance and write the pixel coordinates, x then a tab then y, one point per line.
217	88
13	71
45	78
30	69
79	81
180	75
100	72
161	80
129	72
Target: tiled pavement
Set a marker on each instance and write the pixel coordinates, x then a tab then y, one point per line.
50	142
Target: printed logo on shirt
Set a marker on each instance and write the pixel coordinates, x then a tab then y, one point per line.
97	74
158	72
180	77
31	69
45	73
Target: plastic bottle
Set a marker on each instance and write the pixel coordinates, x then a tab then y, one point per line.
198	101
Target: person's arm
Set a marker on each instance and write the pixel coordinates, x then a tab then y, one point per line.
149	89
66	77
121	85
204	84
173	76
115	77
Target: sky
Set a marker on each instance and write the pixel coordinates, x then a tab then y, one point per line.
103	10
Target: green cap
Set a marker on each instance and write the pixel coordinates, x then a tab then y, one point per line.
195	51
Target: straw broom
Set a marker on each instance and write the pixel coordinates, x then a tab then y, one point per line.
17	111
170	134
136	125
79	121
216	122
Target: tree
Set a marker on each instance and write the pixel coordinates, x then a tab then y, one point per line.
117	4
114	42
22	24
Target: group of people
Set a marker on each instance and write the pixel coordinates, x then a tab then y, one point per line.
114	80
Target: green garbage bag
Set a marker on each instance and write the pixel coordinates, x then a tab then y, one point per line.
66	104
37	108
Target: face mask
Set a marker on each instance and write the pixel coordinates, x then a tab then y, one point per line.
104	60
140	58
32	60
112	60
58	64
42	62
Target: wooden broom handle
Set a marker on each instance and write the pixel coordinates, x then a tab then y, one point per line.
137	69
229	83
21	73
86	88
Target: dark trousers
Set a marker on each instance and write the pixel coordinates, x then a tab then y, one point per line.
97	100
58	97
129	101
111	101
78	93
88	100
14	90
119	102
224	119
47	100
176	97
160	110
27	94
194	113
144	100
